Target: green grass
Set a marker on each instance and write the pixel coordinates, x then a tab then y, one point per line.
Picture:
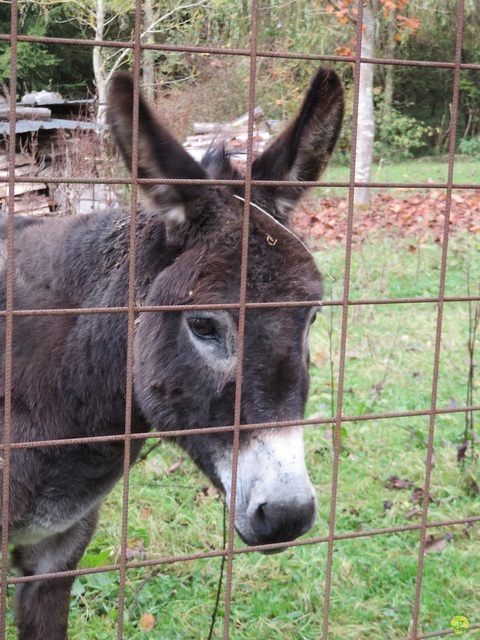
429	169
389	362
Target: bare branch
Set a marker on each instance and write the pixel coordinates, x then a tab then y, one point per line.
171	13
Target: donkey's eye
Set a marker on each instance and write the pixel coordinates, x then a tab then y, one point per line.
203	327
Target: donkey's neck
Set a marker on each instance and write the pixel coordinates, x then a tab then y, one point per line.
78	263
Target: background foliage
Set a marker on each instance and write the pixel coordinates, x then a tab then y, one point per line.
412	109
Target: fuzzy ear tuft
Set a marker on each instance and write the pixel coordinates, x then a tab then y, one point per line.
303	150
160	155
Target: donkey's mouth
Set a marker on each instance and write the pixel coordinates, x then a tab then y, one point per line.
272	552
256	543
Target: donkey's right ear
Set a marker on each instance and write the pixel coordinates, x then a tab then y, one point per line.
302	152
160	155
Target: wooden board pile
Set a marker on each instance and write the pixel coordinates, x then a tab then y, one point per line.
233	135
48	146
31	198
25	113
45	198
42	198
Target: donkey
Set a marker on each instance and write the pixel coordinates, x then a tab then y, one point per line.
69	371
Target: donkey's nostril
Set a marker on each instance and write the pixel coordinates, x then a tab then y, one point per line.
261	523
282	521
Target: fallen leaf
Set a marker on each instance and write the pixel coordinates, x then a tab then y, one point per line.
318	359
394	482
473	485
153	466
434	545
417	496
174	467
147	621
418	217
352	354
462	451
206	493
343	51
135	549
413	512
389	4
433	460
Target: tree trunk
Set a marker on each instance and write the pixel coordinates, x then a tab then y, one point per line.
98	65
388	91
366	119
148	54
389	68
466	133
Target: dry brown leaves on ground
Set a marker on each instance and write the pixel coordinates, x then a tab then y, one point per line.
421	216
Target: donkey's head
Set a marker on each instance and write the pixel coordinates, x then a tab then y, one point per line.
185	362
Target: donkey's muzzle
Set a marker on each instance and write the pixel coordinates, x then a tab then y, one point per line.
275	500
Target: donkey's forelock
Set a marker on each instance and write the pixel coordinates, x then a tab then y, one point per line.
217	161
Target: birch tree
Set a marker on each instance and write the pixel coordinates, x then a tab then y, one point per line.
387	14
98	15
347	11
102	19
366	116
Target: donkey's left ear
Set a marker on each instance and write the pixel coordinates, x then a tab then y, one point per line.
304	149
160	155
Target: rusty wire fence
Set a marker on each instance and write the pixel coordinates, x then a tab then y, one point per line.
426	525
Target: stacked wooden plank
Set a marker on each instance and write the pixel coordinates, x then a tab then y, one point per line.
41	152
233	135
25	113
30	197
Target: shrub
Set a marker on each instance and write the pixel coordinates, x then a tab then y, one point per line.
399	136
470	147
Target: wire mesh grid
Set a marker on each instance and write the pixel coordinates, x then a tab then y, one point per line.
345	304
